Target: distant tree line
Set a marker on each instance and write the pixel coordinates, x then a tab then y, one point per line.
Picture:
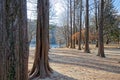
102	27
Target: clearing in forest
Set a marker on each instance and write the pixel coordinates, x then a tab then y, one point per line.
72	64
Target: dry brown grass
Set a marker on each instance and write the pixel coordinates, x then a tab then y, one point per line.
72	64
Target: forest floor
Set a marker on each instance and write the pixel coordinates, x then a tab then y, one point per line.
73	64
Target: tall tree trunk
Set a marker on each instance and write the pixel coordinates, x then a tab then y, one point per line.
71	42
3	42
96	19
14	39
100	29
24	45
87	28
74	26
41	68
80	38
68	39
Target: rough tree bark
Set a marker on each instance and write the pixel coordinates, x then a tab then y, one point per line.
41	68
100	33
96	18
13	40
68	36
87	28
79	40
3	42
71	42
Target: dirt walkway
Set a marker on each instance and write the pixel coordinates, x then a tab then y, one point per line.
71	64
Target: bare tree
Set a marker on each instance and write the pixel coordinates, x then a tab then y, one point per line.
61	35
31	30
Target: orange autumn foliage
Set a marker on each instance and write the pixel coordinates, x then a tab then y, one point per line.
92	36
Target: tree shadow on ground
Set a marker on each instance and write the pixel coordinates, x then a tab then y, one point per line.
57	76
110	56
85	61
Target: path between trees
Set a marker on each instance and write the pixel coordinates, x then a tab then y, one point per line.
72	64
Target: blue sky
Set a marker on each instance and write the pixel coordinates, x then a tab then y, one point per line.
117	5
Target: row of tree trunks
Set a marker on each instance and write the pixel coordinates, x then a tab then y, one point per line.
13	40
41	68
99	7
